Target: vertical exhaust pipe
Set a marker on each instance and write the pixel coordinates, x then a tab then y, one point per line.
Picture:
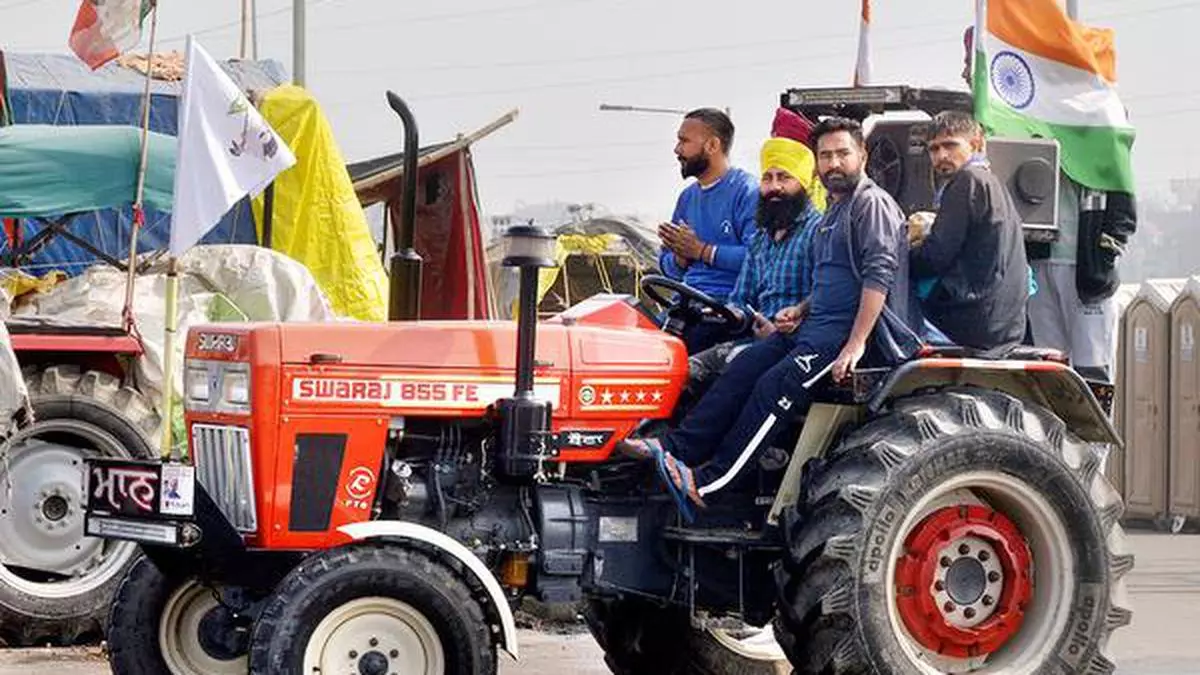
404	296
524	418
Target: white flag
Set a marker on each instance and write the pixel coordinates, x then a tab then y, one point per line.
226	150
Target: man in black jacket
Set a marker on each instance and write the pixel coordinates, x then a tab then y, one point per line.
971	269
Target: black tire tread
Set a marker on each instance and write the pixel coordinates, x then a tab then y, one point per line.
824	531
133	621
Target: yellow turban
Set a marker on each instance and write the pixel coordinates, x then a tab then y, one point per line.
798	161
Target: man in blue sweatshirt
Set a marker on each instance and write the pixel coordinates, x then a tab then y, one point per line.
714	220
859	254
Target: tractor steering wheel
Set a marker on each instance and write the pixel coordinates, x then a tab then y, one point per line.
690	305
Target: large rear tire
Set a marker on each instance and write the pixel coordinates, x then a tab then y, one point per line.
640	638
372	609
965	531
55	583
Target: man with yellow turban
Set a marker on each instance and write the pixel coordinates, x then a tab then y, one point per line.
776	272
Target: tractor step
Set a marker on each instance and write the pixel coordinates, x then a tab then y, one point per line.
723	537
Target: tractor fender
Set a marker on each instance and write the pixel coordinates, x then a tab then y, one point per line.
1050	384
395	529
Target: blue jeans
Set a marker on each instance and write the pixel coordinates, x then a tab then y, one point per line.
702	336
760	393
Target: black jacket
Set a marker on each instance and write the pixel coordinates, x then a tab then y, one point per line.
1106	222
976	250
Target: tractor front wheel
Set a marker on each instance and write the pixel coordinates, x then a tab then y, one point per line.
161	625
372	609
965	531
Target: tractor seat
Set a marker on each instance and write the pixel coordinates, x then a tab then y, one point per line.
1018	353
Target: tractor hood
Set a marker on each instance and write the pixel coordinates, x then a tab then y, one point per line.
480	346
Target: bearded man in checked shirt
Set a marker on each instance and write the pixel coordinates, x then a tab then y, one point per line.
776	273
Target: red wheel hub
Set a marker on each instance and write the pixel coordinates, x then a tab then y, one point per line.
964	581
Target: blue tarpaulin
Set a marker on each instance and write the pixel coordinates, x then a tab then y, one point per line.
60	90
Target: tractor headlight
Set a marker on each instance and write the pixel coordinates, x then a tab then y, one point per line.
235	387
217	386
196	384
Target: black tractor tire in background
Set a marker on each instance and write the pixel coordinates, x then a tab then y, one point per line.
89	414
426	594
641	638
847	538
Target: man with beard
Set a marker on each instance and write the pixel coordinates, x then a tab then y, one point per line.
705	243
971	266
859	255
776	271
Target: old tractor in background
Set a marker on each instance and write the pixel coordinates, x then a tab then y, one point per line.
373	499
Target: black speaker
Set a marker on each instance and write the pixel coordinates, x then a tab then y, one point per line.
1029	168
898	160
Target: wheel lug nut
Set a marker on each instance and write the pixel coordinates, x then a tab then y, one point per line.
984	556
949	607
987	601
939	586
964	549
969	613
993	576
353	654
395	653
945	561
374	642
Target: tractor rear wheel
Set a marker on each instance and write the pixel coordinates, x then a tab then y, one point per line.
56	583
641	638
372	609
965	531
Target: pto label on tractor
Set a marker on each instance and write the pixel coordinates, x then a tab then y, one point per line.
466	393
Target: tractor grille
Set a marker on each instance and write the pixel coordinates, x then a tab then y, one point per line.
223	467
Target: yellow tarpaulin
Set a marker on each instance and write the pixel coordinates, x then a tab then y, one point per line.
317	218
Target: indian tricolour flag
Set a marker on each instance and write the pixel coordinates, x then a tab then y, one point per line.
105	29
1038	73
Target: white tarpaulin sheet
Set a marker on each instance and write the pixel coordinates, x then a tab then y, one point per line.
216	284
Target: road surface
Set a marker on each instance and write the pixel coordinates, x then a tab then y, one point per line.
1163	639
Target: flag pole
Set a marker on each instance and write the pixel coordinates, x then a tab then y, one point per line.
172	327
171	324
862	68
245	28
139	216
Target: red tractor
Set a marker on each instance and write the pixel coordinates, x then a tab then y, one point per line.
373	498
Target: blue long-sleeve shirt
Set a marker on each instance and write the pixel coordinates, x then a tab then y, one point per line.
722	214
777	274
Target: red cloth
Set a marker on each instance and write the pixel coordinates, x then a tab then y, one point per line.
793	125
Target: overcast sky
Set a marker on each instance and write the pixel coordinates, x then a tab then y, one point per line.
462	64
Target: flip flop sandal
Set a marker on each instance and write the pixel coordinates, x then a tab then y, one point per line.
642	448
